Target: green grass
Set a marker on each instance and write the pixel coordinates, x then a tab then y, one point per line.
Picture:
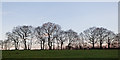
60	54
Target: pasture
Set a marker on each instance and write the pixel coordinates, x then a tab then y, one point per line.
60	54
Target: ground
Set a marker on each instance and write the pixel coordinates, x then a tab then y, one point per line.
60	54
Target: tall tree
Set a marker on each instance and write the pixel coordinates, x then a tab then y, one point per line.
110	37
51	29
23	32
39	33
81	40
13	37
103	33
71	37
90	35
62	37
117	40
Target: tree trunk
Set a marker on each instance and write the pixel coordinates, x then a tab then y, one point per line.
108	42
28	47
49	43
25	44
93	44
16	45
61	45
69	47
41	45
100	44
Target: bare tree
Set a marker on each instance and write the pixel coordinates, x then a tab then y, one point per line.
90	35
62	37
100	34
116	42
39	33
110	37
103	33
71	37
50	35
6	44
23	32
50	29
81	40
13	37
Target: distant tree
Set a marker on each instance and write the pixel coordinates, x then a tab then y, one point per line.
40	34
90	35
50	35
110	37
6	45
24	32
62	37
50	29
100	34
30	41
71	37
81	40
103	33
117	39
12	37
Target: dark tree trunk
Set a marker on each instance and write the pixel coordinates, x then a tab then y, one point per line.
41	45
25	41
50	48
93	44
28	47
108	42
100	44
49	43
61	45
16	45
80	47
25	44
69	47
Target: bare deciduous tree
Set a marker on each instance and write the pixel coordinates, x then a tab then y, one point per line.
71	37
50	36
40	34
50	29
13	37
90	35
62	37
23	32
103	33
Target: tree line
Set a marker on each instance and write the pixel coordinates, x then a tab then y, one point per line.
51	36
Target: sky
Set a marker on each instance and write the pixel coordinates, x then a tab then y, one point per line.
77	16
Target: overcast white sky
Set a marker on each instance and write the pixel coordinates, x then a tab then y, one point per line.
73	15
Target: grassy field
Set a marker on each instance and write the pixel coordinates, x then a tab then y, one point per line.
60	54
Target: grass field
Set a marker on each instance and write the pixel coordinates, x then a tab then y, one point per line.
60	54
